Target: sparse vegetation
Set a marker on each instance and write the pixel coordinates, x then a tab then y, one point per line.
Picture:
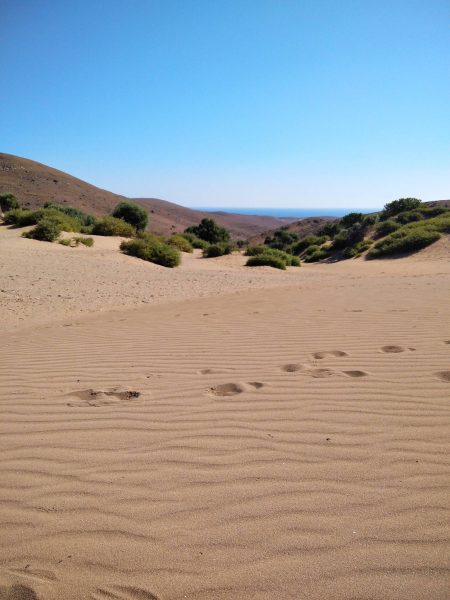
306	242
288	259
316	255
112	226
85	219
131	213
209	231
153	251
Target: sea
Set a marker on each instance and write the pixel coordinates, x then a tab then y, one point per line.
285	212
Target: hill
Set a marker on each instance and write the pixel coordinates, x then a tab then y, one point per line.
34	184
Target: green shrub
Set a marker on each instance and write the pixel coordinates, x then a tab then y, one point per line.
402	241
23	218
266	260
195	241
113	226
152	251
255	250
357	249
85	219
65	242
209	231
47	230
214	250
350	219
410	216
309	240
315	253
281	239
181	243
86	241
386	227
330	229
391	209
131	213
20	217
8	202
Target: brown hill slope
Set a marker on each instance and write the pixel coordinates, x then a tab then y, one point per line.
34	184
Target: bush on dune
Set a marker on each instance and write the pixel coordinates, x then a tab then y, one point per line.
181	243
85	219
391	209
113	226
386	227
131	213
23	218
47	230
266	260
8	202
214	250
306	242
209	231
195	241
153	251
402	241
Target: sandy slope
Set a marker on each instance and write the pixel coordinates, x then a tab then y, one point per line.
284	443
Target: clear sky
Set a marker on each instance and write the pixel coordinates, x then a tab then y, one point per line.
287	103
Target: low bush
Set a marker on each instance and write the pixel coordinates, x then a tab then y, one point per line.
85	219
8	202
181	243
23	218
214	250
386	227
319	254
65	242
404	240
306	242
113	226
357	249
266	260
195	241
410	216
281	239
47	230
209	231
131	213
391	209
255	250
152	251
86	241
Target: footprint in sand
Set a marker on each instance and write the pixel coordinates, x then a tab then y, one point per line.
98	398
392	349
336	353
233	389
355	374
122	592
443	376
446	341
292	367
18	592
321	373
214	371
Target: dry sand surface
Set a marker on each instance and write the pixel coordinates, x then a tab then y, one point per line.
283	437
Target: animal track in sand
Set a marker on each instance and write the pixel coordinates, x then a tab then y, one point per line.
122	592
321	373
355	374
292	367
233	389
336	353
97	398
443	376
213	371
392	349
18	592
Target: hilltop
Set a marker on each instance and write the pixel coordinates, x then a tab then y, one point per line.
34	184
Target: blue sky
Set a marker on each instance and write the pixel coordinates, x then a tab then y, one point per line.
233	103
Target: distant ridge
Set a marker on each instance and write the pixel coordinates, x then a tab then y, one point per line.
34	184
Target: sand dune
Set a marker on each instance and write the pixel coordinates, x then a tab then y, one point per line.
284	437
